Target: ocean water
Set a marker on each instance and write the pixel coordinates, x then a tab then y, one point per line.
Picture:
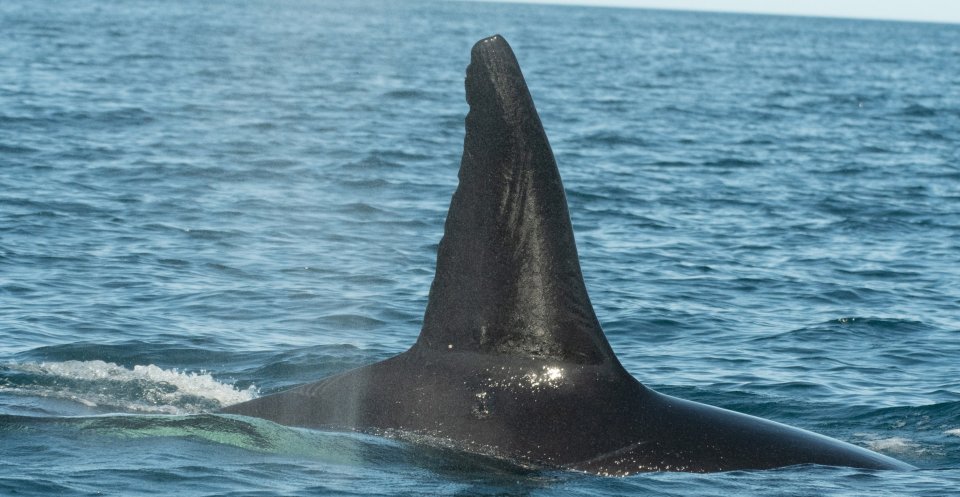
203	202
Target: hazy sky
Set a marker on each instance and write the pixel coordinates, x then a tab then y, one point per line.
912	10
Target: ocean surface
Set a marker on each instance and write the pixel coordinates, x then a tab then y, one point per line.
205	202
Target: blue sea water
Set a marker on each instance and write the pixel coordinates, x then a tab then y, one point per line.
203	202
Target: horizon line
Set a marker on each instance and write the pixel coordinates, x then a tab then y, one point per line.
625	4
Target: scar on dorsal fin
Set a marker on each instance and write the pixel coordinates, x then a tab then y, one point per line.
508	277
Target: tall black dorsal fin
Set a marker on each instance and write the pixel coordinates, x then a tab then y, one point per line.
508	277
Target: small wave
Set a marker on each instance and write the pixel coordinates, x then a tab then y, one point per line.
260	125
929	134
140	56
733	163
880	274
126	116
955	432
852	328
353	321
407	94
369	184
673	164
918	110
360	208
145	389
613	138
372	163
16	149
881	324
207	234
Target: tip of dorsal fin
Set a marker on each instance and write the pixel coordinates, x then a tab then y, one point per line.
508	278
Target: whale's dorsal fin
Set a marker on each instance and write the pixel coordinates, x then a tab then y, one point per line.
507	304
508	278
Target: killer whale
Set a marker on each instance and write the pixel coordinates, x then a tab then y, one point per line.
511	360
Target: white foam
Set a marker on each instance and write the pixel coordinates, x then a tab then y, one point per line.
955	432
892	444
141	389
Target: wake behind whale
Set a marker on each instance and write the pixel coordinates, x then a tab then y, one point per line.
511	360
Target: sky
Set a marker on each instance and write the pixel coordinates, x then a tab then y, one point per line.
904	10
